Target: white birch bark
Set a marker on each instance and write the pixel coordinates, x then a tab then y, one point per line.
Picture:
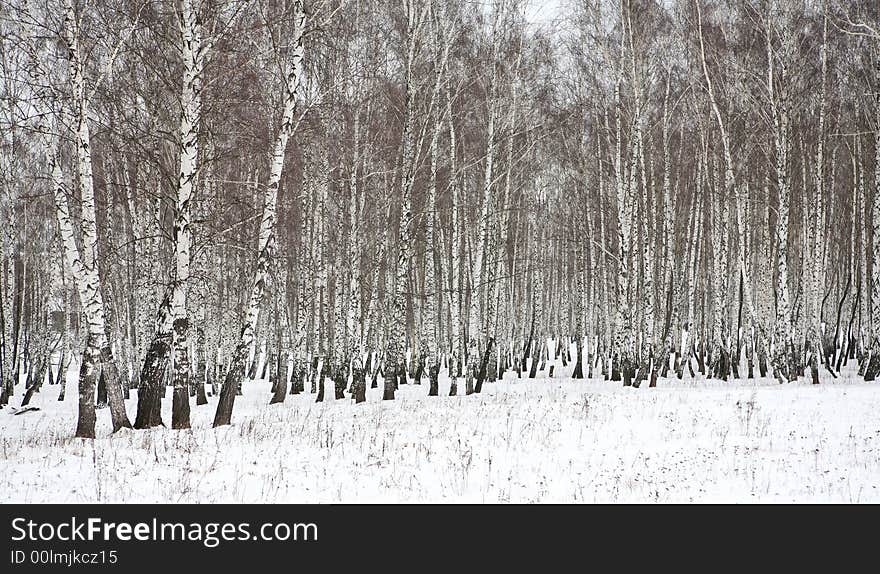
819	222
266	241
457	247
395	358
193	63
783	369
623	335
477	328
98	349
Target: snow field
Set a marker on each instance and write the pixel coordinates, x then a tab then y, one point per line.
542	440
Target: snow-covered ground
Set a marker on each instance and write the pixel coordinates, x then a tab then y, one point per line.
543	440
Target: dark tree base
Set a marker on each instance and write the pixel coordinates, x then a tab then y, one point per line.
578	372
149	413
390	383
180	408
320	397
358	383
873	367
433	377
201	398
279	390
339	380
88	377
484	363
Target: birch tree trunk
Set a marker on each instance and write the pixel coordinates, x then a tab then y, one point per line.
355	342
98	351
266	242
783	364
818	228
730	185
193	59
624	342
457	248
478	333
430	319
395	353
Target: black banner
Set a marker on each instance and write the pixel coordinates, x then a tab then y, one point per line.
132	538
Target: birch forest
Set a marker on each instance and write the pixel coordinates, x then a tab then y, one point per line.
346	197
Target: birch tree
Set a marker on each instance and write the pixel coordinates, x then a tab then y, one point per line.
266	242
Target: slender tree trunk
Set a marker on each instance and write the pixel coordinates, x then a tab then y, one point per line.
234	376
